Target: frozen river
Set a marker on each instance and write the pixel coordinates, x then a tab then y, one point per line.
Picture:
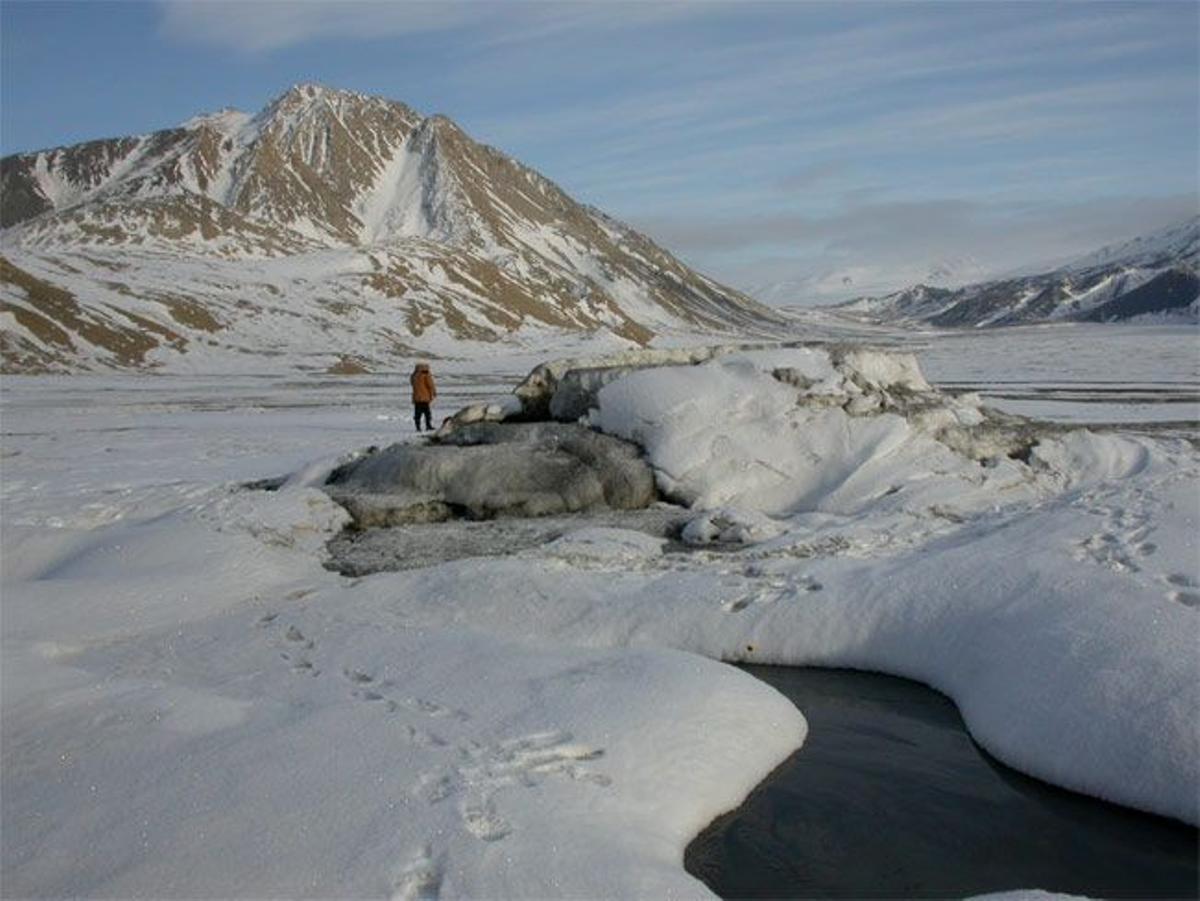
1074	373
1080	373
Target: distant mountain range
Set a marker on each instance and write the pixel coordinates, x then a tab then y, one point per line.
332	230
1151	276
855	281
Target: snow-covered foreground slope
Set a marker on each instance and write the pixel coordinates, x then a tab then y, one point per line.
193	706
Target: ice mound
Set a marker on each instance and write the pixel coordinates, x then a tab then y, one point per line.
487	469
798	429
773	431
565	389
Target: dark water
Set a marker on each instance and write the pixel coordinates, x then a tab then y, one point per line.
890	798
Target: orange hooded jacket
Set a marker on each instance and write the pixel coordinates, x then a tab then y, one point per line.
423	388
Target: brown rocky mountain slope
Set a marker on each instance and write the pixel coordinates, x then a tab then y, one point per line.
329	227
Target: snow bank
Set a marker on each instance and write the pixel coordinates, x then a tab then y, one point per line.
88	585
564	389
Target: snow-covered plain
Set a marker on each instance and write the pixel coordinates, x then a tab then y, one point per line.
1080	373
194	707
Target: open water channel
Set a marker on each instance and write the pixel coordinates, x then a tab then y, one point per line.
890	798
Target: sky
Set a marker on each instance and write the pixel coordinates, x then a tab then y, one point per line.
804	151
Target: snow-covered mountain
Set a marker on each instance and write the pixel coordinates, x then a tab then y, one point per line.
1154	275
331	228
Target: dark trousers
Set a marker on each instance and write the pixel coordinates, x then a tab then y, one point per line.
419	410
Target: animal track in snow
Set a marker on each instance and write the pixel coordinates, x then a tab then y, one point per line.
433	709
434	787
1122	545
365	685
1109	549
475	771
295	635
293	646
371	691
419	880
424	738
1185	589
304	667
523	760
482	821
484	769
776	590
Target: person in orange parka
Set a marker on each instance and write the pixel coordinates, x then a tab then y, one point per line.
423	393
